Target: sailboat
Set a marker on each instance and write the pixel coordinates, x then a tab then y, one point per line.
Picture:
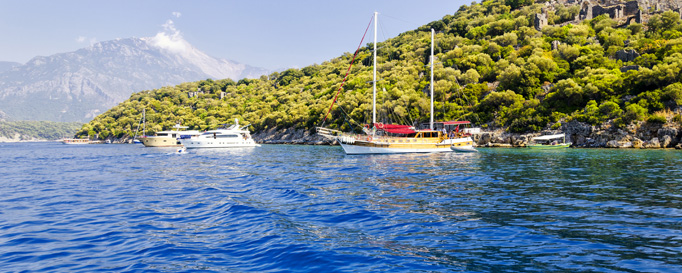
393	138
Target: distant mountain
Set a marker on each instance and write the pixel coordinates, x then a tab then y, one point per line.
5	66
79	85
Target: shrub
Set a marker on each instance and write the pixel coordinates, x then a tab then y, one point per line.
632	113
677	118
656	119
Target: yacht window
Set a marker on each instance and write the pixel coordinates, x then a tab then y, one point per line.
227	136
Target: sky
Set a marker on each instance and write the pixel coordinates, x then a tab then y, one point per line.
262	33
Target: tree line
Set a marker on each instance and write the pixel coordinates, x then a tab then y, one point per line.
44	130
493	68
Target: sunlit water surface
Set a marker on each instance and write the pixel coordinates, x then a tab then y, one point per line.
281	208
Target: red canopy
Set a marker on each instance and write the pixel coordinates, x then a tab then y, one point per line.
395	128
456	122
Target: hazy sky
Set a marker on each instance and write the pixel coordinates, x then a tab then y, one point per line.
269	34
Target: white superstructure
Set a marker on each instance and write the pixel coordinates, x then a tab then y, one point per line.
232	137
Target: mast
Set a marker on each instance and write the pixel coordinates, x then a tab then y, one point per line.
144	122
432	61
374	79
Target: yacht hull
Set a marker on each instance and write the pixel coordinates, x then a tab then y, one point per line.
159	141
201	143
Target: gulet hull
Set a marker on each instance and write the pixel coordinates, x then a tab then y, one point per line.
382	147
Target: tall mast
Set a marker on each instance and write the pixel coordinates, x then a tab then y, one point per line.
144	124
374	79
432	61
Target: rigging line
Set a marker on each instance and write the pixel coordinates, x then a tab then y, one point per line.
398	19
465	98
383	33
348	71
383	101
348	119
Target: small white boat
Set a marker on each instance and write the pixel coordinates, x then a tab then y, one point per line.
462	146
464	149
557	141
231	137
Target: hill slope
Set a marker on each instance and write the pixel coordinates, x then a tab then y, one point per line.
494	68
6	66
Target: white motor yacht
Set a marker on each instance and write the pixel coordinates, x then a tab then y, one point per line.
230	137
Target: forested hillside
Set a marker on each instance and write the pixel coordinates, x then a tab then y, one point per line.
37	130
493	67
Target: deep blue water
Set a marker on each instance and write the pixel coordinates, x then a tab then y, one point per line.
284	208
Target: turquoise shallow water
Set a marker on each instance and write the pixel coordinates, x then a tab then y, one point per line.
283	208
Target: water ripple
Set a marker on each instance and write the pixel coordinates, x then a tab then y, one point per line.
281	208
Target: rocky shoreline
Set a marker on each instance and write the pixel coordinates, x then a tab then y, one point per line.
640	136
290	136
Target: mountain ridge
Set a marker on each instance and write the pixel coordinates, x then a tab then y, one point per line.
78	85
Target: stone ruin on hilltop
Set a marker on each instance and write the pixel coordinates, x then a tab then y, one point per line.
623	12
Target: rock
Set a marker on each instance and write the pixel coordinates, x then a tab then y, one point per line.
666	133
612	144
653	143
629	67
665	141
485	138
626	55
637	143
519	141
290	136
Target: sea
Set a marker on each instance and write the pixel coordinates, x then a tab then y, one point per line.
298	208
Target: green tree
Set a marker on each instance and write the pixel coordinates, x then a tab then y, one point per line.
566	96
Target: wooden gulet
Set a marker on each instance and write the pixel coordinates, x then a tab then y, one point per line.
392	138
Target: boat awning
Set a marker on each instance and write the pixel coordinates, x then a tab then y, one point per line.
549	137
395	128
455	122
